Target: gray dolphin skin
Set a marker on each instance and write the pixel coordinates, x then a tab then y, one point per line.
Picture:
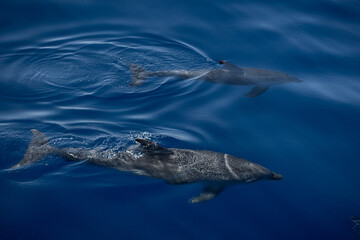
261	79
176	166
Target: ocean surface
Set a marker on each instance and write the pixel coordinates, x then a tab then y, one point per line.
64	70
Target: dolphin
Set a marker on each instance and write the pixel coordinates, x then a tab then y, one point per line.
261	79
214	170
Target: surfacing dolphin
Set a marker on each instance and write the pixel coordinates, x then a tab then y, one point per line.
261	79
176	166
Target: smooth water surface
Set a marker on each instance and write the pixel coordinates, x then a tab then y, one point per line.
65	71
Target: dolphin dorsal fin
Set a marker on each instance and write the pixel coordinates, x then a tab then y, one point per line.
152	148
231	67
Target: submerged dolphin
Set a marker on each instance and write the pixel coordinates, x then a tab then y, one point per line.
176	166
228	74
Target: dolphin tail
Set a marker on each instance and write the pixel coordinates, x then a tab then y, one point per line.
38	148
139	74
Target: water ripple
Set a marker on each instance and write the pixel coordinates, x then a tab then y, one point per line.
78	79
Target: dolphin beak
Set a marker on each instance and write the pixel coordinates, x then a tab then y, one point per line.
276	176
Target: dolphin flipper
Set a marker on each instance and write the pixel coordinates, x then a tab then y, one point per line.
209	192
257	90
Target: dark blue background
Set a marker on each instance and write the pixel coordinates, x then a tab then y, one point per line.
64	72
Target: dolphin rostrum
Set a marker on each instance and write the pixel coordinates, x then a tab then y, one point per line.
261	79
176	166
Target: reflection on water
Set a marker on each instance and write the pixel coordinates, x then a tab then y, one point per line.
65	71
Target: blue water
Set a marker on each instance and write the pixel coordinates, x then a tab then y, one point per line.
64	71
